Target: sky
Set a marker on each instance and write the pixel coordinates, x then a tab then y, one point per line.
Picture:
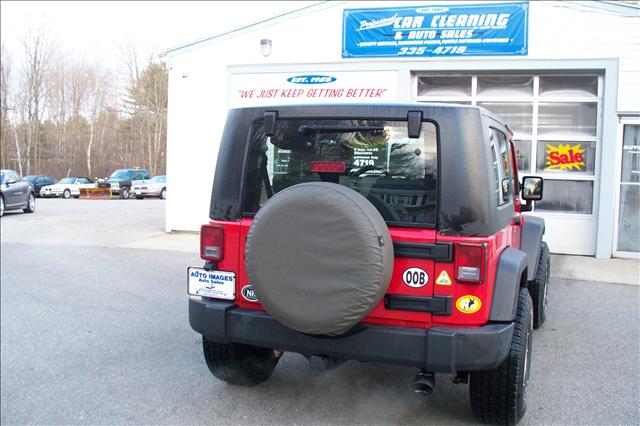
93	30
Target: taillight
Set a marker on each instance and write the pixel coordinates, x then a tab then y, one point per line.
469	263
212	242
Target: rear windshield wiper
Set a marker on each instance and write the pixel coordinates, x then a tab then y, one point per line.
336	128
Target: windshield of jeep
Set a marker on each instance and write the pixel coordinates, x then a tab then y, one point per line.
376	158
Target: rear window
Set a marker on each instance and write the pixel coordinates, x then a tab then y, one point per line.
373	157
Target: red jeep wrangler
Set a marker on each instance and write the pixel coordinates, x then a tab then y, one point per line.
384	233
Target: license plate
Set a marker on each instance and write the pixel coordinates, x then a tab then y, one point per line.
217	284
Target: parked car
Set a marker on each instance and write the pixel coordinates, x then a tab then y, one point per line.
38	182
428	262
15	193
121	180
155	187
67	187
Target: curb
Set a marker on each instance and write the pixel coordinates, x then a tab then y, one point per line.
584	268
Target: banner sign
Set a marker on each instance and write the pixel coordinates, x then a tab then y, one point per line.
493	29
312	88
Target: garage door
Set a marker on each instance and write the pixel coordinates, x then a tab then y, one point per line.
556	120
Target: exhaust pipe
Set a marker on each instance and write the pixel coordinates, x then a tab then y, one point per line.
424	383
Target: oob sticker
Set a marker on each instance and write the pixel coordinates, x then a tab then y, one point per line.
415	277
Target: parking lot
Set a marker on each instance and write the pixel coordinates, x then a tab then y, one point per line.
95	331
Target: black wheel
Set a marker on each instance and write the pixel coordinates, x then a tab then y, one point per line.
163	194
239	364
31	204
66	194
539	288
1	206
500	395
124	192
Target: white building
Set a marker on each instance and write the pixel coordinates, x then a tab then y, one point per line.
564	75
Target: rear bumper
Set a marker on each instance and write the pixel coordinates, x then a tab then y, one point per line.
438	349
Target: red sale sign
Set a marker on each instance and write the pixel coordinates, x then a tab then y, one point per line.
565	157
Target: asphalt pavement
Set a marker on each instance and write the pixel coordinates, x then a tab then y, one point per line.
94	330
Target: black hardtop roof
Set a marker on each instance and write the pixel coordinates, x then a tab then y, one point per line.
466	192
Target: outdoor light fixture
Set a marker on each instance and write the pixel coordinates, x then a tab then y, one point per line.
265	47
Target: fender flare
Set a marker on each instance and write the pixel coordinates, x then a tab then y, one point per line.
511	266
530	243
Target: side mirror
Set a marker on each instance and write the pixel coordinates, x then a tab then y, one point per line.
531	190
10	182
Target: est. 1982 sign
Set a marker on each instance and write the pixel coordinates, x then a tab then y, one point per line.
497	29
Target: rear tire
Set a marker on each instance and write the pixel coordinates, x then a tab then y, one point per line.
238	364
66	194
163	194
539	288
1	206
124	192
500	395
31	204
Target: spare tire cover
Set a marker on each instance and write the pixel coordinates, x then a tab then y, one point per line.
319	257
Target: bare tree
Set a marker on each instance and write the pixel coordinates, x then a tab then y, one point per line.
57	102
130	59
99	87
5	74
147	101
39	49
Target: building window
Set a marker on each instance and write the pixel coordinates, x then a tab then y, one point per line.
505	86
568	85
629	209
567	119
523	148
555	119
444	86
